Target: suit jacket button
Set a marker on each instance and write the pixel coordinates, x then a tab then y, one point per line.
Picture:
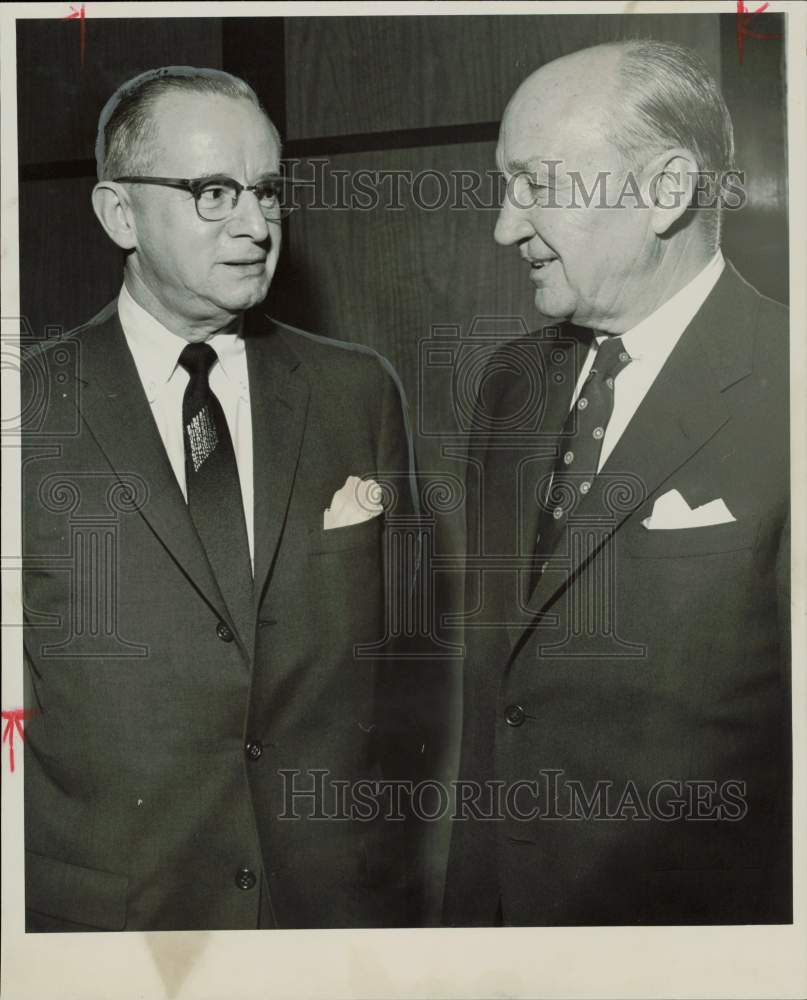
254	749
224	632
514	715
245	879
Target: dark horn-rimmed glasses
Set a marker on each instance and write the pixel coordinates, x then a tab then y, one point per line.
216	197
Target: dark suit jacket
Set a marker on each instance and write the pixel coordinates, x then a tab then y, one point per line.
162	723
642	657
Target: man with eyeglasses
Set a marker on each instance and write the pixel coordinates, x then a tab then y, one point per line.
201	658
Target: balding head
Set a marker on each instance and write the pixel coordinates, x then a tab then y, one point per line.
603	150
641	97
127	126
574	91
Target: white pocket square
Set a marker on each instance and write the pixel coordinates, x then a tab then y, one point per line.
672	511
358	500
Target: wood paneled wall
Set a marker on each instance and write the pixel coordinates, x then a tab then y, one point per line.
755	238
373	94
68	267
363	74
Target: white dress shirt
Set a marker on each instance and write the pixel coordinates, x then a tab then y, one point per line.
156	354
649	344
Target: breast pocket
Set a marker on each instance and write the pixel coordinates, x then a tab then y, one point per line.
676	543
353	536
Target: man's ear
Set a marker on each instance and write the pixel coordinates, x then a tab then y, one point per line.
114	211
673	180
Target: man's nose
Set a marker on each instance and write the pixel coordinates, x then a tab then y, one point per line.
513	224
248	218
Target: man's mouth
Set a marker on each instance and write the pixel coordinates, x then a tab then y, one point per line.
253	267
536	264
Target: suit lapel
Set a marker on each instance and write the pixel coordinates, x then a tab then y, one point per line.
117	412
682	410
279	400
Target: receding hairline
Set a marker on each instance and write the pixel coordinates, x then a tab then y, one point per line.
158	105
143	94
155	142
596	62
534	97
600	78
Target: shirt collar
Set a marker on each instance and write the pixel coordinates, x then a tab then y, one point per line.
231	350
156	350
658	333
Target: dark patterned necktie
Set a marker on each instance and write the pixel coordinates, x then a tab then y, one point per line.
214	491
580	446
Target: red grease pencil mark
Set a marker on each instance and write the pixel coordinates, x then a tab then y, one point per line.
80	14
15	718
744	16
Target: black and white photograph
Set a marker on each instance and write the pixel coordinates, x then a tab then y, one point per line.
403	535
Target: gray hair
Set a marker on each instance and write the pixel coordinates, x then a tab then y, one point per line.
126	126
668	97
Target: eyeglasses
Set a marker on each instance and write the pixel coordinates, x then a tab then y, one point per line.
216	197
